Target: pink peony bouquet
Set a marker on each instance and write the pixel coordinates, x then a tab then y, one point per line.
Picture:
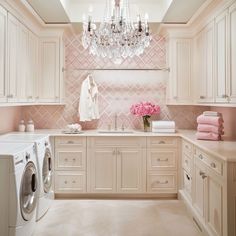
145	110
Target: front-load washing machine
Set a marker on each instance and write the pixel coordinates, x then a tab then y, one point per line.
19	189
44	163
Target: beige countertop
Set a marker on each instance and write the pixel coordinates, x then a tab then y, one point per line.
224	150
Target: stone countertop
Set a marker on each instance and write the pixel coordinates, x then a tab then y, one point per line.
224	150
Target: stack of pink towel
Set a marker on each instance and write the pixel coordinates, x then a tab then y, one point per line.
210	126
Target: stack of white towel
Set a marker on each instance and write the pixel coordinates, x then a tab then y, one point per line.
163	126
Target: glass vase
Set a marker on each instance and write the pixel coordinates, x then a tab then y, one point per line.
146	123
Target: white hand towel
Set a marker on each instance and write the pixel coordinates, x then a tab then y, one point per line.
212	113
163	130
163	124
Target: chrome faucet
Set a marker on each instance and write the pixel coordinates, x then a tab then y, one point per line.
116	117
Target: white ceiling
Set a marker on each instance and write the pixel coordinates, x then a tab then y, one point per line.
64	11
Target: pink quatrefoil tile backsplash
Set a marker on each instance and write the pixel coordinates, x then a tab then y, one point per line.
118	90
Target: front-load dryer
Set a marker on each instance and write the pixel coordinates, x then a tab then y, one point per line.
19	189
44	163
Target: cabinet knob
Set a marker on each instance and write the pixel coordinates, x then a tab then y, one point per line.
70	142
213	165
186	146
65	182
73	159
202	97
66	159
200	156
30	97
73	181
186	161
201	173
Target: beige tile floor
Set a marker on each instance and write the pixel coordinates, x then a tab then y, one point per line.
116	218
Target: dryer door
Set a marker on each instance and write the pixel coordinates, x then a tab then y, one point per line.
28	191
47	171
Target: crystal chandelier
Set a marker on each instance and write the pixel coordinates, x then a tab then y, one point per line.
117	37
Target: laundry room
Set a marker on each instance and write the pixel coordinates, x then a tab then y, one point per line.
117	118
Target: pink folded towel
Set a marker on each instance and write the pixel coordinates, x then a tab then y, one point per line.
208	136
211	128
210	120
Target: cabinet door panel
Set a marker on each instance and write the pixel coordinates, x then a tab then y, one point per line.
102	170
33	70
22	63
221	57
3	46
13	52
199	189
214	205
130	170
49	81
232	76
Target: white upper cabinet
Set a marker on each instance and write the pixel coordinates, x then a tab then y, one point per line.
180	62
13	52
221	57
49	80
3	47
23	63
232	53
204	66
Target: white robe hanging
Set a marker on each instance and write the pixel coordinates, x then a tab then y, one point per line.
88	104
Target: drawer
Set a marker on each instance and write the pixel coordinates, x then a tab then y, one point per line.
117	141
71	160
162	159
187	184
70	182
162	142
70	141
162	181
187	148
187	162
213	163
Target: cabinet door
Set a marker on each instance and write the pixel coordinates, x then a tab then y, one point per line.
102	171
199	188
22	63
204	72
180	74
221	57
232	36
33	68
131	170
49	80
13	51
214	193
3	46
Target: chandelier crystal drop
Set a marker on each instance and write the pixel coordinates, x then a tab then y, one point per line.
117	37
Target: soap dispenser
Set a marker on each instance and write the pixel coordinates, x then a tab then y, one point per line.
21	127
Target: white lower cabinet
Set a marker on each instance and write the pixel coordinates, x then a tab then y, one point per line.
209	192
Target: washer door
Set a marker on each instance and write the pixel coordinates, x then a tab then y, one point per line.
28	192
47	171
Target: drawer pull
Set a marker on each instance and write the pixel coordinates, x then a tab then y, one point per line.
73	159
165	182
73	181
162	142
65	182
70	142
188	177
200	156
164	160
213	165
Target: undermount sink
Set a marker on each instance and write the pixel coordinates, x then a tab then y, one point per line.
115	131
